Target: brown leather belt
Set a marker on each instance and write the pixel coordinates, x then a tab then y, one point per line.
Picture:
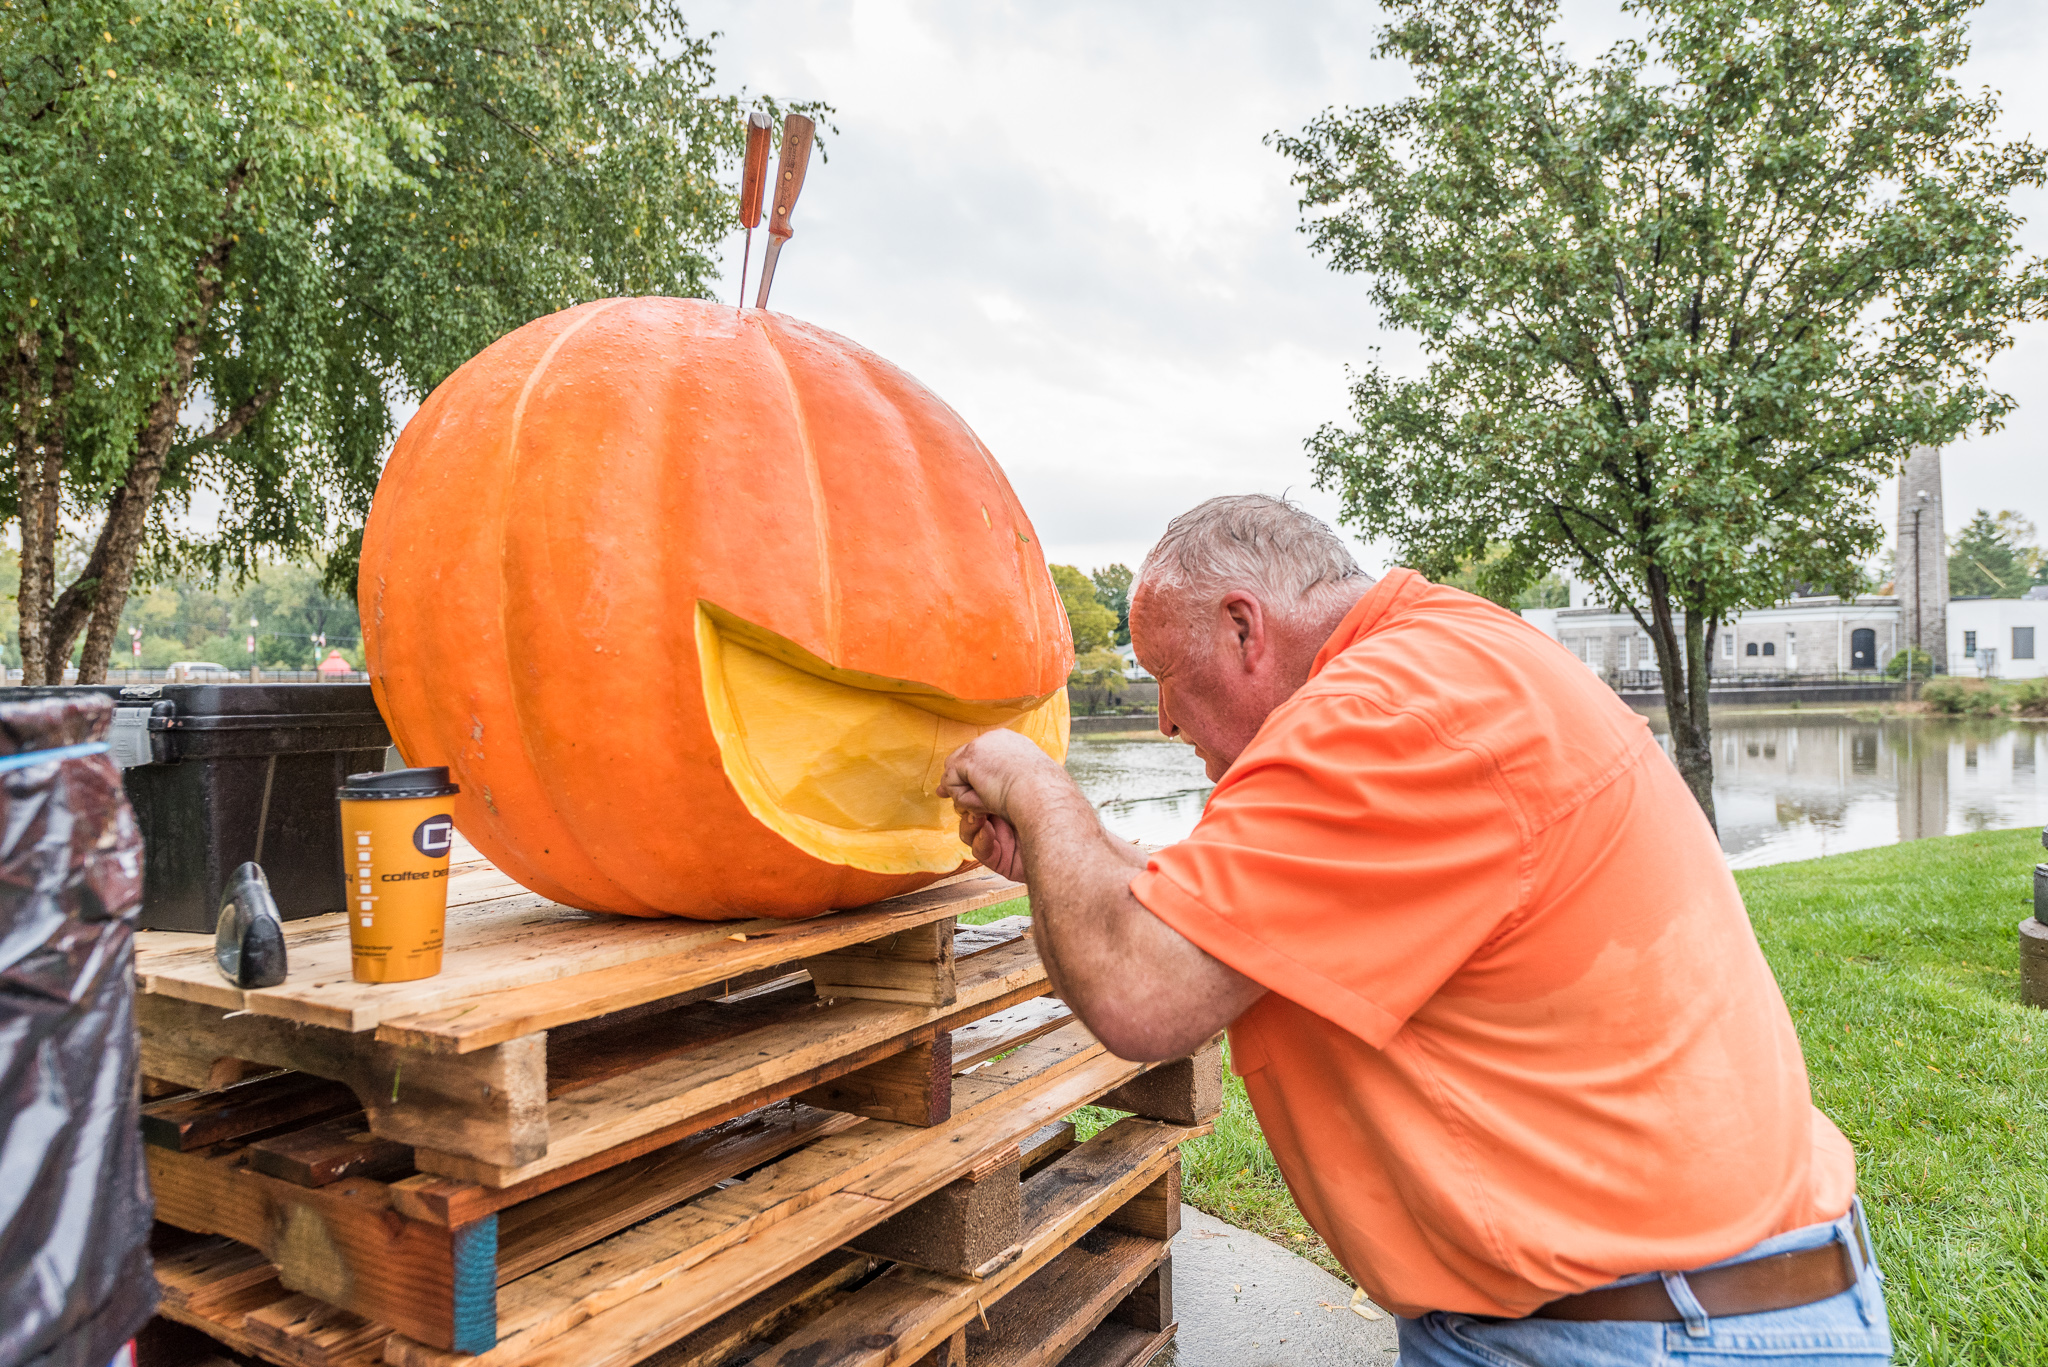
1778	1282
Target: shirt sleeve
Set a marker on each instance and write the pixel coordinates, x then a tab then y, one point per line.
1352	861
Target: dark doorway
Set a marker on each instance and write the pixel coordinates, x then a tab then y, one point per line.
1863	648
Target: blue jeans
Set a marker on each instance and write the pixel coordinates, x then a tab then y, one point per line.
1848	1330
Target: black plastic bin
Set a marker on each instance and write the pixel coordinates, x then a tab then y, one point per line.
195	759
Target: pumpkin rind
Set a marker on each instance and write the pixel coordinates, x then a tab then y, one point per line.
557	514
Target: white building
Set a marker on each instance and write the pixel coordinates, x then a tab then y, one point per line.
2002	638
1801	636
1998	638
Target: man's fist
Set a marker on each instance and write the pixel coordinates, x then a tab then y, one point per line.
989	779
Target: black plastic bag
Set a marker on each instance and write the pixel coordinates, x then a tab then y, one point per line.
75	1276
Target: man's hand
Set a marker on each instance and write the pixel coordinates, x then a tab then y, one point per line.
984	778
1144	990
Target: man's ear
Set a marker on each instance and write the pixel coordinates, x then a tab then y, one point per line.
1248	629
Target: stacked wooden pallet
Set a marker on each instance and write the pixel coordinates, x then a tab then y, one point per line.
594	1141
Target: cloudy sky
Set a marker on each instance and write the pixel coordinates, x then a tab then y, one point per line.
1061	217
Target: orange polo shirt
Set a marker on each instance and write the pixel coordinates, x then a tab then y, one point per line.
1519	1039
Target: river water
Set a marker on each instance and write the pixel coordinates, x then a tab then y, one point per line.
1784	787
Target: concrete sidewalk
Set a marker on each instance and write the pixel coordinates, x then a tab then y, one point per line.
1244	1301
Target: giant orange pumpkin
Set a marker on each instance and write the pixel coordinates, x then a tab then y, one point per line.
694	603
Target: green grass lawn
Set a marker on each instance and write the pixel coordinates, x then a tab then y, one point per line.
1901	971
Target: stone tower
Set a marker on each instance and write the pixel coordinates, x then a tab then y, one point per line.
1921	568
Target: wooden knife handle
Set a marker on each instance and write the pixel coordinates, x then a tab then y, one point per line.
797	132
754	179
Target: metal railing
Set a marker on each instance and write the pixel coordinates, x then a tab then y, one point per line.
223	676
1834	678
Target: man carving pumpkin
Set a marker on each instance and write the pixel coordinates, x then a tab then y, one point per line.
1487	979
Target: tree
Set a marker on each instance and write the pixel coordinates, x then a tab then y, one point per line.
1093	625
1551	591
317	211
1113	591
1684	306
1993	557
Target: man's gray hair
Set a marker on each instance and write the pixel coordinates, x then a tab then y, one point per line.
1288	558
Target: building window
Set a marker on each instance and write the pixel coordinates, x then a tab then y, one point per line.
1970	644
2023	643
1770	647
1727	645
1863	648
1750	649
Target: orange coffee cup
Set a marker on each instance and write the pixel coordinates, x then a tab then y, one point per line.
397	828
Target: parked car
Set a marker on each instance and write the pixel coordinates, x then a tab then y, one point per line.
196	669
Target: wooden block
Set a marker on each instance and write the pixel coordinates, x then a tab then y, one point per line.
1187	1091
914	966
769	1315
1006	1030
968	1228
157	1088
1153	1213
345	1244
914	1087
197	1120
323	1154
1150	1304
303	1330
491	1104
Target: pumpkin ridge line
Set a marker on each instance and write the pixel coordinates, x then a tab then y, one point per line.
821	517
533	376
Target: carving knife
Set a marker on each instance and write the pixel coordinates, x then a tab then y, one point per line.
789	181
753	183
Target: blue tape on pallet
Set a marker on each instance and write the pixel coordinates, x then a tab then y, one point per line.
51	756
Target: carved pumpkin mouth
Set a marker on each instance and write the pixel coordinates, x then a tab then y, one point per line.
842	764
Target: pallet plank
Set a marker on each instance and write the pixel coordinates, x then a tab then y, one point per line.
323	1154
198	1120
499	945
990	1036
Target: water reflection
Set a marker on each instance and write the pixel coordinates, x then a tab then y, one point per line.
1783	789
1793	790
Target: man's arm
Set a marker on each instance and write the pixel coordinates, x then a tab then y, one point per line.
1146	991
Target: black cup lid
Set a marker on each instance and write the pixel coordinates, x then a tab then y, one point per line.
396	783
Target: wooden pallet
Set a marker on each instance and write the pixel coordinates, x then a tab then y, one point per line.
557	1042
761	1232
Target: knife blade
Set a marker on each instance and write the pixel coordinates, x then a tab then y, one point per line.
753	187
797	133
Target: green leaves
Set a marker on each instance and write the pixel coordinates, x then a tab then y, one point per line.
1684	306
275	220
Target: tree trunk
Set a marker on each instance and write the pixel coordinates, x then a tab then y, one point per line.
96	600
93	603
1684	676
39	474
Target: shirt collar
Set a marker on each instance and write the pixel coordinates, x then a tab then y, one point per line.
1367	614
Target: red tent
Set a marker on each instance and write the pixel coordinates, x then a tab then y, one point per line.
334	664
